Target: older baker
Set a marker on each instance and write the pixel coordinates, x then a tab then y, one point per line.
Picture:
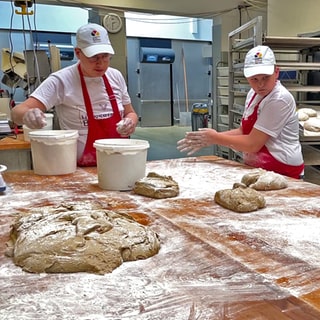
89	96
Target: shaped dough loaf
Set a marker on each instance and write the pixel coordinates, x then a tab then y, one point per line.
302	116
312	124
264	180
156	186
240	199
308	111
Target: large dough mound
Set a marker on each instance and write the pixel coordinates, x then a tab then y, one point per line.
76	238
240	199
264	180
156	186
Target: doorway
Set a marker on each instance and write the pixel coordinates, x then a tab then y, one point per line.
156	95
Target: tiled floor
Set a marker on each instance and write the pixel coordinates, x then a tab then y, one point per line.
163	145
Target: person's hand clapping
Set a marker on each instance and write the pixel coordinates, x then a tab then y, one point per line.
195	140
34	119
125	127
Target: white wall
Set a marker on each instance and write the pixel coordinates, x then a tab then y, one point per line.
170	27
292	17
235	19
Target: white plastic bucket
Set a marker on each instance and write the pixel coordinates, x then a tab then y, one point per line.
2	183
48	126
54	152
120	162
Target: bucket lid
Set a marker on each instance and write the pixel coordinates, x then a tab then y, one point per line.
121	144
53	134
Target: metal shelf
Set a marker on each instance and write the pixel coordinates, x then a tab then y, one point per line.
286	66
292	43
301	88
299	65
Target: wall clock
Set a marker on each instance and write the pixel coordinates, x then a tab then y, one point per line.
112	22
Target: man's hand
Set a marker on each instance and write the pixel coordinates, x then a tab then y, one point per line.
195	140
34	119
189	146
125	127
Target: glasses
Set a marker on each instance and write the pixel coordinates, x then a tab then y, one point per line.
104	57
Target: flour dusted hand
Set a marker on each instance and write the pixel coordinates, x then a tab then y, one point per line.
189	146
34	119
125	127
196	140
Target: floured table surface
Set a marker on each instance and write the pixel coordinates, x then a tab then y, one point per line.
213	263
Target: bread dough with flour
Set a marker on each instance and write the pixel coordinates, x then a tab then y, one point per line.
78	238
240	199
302	116
156	186
308	111
312	124
264	180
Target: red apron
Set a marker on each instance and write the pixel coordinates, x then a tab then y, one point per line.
97	129
263	158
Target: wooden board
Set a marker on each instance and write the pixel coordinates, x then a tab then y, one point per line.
213	263
14	143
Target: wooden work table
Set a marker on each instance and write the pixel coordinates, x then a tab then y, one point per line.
14	142
213	263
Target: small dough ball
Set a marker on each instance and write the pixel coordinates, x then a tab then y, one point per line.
312	124
302	116
251	177
156	186
309	111
270	181
240	199
265	180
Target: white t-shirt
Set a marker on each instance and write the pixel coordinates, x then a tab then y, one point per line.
278	118
62	89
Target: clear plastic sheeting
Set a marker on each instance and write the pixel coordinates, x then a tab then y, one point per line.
213	263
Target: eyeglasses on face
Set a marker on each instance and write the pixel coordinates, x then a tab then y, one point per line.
103	56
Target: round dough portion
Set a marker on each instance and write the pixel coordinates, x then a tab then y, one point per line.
309	111
156	186
240	199
312	124
302	116
78	239
264	180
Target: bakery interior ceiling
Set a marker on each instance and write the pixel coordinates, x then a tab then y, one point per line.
199	8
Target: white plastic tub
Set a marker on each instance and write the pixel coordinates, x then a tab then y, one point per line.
120	162
54	152
48	126
2	183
